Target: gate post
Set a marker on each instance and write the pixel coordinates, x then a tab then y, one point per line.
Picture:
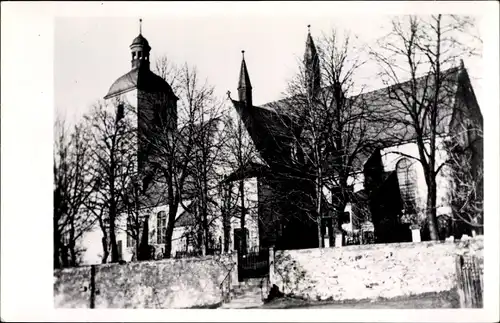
92	286
271	266
234	274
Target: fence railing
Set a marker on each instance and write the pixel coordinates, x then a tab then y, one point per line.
470	281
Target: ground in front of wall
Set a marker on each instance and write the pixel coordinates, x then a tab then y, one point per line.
448	299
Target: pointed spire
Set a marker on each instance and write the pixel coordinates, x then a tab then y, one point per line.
244	81
244	85
310	52
311	64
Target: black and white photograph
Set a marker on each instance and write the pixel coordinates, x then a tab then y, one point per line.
263	156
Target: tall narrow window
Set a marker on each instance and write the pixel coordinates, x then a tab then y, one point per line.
120	112
407	178
161	227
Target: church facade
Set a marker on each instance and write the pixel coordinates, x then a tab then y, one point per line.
388	187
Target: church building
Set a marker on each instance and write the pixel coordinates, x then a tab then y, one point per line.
387	184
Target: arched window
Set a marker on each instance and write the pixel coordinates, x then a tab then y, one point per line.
407	178
161	227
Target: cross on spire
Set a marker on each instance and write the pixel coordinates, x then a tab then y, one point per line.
309	28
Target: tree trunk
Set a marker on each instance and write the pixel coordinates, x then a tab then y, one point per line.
112	227
320	236
172	212
242	220
137	244
431	210
64	256
72	254
105	249
227	230
144	253
318	208
204	213
71	246
57	245
112	237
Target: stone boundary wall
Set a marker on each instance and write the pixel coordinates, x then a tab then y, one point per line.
169	283
371	271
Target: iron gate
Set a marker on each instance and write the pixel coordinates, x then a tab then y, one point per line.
253	264
470	281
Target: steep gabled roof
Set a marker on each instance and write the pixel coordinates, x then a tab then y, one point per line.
389	123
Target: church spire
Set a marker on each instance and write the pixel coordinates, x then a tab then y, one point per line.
311	65
244	85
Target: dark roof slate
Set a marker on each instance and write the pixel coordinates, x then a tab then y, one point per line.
140	79
389	123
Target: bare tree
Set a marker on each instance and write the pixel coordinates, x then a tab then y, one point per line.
466	172
240	162
112	140
204	177
423	105
71	192
184	152
328	130
137	200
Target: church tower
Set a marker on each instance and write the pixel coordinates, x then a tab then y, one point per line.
311	66
145	97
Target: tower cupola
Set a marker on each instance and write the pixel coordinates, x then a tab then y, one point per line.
140	50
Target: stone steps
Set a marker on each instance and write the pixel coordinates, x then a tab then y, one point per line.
247	294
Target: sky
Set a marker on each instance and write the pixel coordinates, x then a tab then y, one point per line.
90	53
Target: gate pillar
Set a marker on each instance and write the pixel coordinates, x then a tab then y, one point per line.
271	266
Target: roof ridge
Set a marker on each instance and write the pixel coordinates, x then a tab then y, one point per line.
451	69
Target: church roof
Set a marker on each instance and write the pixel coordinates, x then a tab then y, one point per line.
140	79
388	123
